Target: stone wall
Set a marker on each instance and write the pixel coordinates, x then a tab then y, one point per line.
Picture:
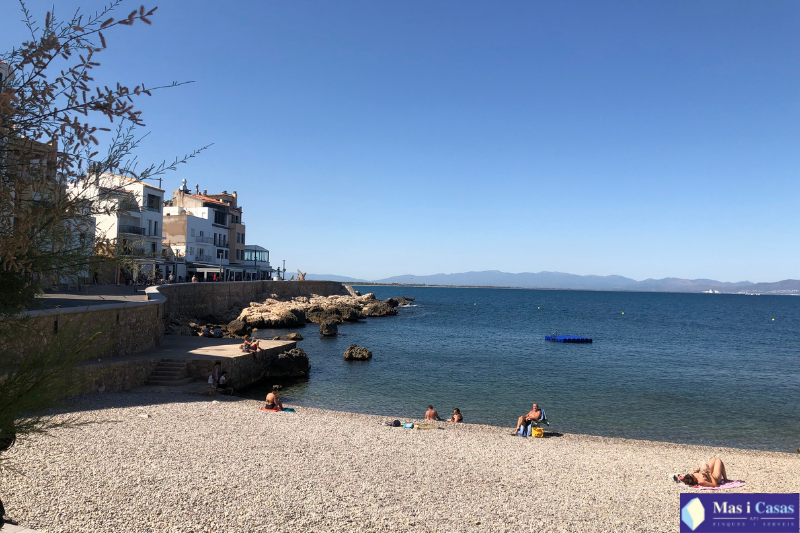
119	376
122	329
201	299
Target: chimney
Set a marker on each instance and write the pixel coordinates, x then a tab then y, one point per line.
234	194
197	188
205	192
224	192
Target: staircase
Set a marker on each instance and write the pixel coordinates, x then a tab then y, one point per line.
170	372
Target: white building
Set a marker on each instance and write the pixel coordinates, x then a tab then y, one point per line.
133	221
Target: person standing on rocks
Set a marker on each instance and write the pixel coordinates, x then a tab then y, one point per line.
431	414
272	401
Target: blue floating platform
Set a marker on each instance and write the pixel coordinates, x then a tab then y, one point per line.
566	338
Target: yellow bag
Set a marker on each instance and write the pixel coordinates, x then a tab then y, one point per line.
537	433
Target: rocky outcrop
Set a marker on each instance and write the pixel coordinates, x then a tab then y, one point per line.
328	329
293	312
355	352
292	337
379	309
293	363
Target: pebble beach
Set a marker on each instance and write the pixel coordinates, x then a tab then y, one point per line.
172	462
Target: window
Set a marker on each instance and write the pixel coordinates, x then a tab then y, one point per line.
153	247
226	254
153	203
220	218
149	227
201	233
155	229
215	239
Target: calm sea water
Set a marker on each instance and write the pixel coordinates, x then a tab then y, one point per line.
691	368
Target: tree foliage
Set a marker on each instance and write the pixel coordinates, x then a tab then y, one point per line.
60	132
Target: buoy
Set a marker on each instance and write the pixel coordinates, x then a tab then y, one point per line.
773	320
474	304
623	312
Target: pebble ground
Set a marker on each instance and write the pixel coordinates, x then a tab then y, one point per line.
150	462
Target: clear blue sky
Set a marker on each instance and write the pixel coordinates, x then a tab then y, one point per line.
646	139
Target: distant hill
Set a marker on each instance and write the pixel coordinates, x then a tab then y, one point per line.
561	280
332	277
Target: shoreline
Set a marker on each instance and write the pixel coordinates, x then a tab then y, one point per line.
165	461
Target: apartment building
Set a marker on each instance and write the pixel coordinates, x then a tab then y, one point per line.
198	227
236	228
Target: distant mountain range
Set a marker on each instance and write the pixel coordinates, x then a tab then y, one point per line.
560	280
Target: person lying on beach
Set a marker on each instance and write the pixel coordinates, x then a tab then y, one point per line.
533	415
456	416
431	414
272	401
710	474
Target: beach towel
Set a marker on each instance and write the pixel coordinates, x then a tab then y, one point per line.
285	410
727	485
426	426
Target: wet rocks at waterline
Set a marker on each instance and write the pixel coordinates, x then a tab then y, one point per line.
355	352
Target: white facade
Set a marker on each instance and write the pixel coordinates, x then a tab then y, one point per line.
200	241
135	222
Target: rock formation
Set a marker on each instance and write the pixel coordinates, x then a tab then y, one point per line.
355	352
293	363
328	328
279	313
292	337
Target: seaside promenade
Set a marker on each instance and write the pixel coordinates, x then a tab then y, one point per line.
164	461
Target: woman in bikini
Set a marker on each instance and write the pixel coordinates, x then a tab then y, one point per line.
710	474
456	416
272	401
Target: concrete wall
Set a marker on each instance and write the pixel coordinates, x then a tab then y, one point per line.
200	299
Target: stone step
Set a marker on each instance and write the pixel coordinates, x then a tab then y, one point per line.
172	364
170	382
165	374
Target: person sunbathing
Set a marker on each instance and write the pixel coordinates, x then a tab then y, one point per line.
710	474
245	346
533	415
456	416
272	401
431	414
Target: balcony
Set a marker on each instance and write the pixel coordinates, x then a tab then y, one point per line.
155	209
223	245
133	230
205	240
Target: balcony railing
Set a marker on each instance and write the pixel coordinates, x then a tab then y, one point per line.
153	208
223	245
206	240
134	230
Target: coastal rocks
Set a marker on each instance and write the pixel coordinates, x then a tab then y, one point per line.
355	352
238	327
379	309
293	312
328	329
293	363
404	301
292	337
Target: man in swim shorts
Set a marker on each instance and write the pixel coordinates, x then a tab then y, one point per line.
532	416
431	414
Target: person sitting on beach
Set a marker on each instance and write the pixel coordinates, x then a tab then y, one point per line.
224	383
245	346
710	474
272	401
431	414
456	416
532	416
217	332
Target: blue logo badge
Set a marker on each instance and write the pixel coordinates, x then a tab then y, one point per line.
778	513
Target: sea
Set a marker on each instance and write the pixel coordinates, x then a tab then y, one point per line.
710	369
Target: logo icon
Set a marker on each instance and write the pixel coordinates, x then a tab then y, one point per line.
693	513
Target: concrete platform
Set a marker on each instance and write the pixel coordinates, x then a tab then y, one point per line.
182	347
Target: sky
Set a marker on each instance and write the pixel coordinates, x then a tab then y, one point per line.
370	139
